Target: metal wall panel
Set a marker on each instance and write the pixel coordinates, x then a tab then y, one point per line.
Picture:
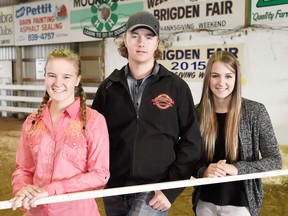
7	53
92	65
29	56
31	53
41	51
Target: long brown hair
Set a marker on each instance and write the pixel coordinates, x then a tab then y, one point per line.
208	120
79	92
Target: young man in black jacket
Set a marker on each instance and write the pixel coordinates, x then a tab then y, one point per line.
153	130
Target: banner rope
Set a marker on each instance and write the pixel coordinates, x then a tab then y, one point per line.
148	187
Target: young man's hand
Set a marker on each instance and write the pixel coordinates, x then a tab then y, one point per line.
159	202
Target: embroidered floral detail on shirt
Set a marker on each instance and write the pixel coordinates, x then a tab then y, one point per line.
75	145
163	101
34	134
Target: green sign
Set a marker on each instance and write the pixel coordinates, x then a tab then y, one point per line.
268	3
102	18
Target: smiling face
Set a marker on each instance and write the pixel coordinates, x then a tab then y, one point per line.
141	45
61	77
222	81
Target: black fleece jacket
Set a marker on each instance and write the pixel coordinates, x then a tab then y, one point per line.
162	143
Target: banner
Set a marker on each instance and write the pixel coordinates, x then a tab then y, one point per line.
44	22
94	20
65	21
272	13
6	26
187	15
189	62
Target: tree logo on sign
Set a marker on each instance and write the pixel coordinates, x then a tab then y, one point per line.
103	19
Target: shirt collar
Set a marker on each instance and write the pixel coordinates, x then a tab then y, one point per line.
72	110
154	71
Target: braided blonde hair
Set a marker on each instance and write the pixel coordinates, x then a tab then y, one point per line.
79	91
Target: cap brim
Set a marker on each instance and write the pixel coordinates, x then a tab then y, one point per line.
132	28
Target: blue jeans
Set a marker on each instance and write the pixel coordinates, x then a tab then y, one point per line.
131	205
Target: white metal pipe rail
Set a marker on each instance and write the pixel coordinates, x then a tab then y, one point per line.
29	99
148	187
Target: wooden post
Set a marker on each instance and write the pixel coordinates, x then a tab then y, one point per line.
19	76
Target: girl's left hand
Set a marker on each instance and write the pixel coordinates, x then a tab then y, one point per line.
27	196
159	202
230	169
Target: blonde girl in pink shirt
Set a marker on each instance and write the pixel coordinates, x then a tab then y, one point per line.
64	146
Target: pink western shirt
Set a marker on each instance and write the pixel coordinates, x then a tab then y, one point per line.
63	159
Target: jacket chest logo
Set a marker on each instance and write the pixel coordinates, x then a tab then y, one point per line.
163	101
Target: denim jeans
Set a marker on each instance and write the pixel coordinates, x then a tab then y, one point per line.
210	209
131	205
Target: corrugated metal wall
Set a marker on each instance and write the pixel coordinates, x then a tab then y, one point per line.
29	56
92	55
7	53
92	67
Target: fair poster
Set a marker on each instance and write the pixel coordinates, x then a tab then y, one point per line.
189	62
6	26
40	66
5	72
187	15
43	22
273	13
100	19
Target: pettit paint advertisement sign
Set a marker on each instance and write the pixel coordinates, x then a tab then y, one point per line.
187	15
6	26
42	23
94	20
272	13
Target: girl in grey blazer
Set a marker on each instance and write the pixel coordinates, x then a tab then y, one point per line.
238	138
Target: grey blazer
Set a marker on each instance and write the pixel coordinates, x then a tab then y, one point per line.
259	152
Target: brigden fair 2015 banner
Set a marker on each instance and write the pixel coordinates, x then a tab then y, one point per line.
190	63
43	22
